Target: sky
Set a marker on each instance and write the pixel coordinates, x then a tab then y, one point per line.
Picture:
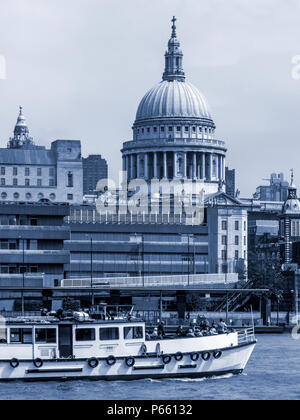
80	68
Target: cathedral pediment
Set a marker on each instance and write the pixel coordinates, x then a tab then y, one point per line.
222	199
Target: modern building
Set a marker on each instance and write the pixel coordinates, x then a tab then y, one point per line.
32	237
277	190
94	169
174	132
30	173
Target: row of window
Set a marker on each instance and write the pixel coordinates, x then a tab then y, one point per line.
236	255
28	196
49	336
27	182
236	240
27	171
177	129
236	225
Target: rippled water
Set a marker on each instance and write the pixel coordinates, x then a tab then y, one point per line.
273	372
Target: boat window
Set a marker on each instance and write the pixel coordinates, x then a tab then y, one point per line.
3	335
45	335
131	333
85	334
21	335
109	334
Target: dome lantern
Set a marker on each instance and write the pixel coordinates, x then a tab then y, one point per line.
173	58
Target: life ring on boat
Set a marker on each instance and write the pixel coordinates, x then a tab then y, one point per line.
130	361
194	356
205	356
178	356
111	360
38	363
14	363
166	359
217	354
93	362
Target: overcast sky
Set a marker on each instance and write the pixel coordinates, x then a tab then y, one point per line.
80	68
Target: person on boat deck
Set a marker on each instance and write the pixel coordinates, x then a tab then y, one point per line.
222	327
198	332
161	329
180	331
154	333
190	333
213	330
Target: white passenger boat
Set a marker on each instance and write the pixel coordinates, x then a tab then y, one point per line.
49	348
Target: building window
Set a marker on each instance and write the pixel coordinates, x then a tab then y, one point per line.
16	195
39	182
186	129
245	226
143	131
170	128
2	170
40	196
162	129
224	240
51	172
70	180
27	182
85	334
224	225
51	182
39	171
236	255
2	181
148	130
27	171
52	196
194	129
236	240
109	334
4	195
15	171
178	129
236	225
245	240
70	197
224	254
28	196
133	333
45	335
15	182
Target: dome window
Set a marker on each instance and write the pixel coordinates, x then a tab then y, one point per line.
178	129
186	129
162	129
143	131
170	128
155	129
194	129
148	130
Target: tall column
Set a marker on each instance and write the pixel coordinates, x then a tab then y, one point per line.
223	167
131	166
184	164
146	168
123	163
165	164
127	166
138	172
203	166
174	164
194	165
155	165
210	166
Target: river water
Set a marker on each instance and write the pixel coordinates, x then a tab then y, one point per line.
273	372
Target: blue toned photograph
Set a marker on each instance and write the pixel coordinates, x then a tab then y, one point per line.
149	210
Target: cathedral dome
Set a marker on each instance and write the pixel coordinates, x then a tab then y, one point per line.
173	98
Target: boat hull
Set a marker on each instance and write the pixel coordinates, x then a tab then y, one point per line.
232	360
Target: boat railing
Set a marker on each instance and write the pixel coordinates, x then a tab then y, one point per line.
246	335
